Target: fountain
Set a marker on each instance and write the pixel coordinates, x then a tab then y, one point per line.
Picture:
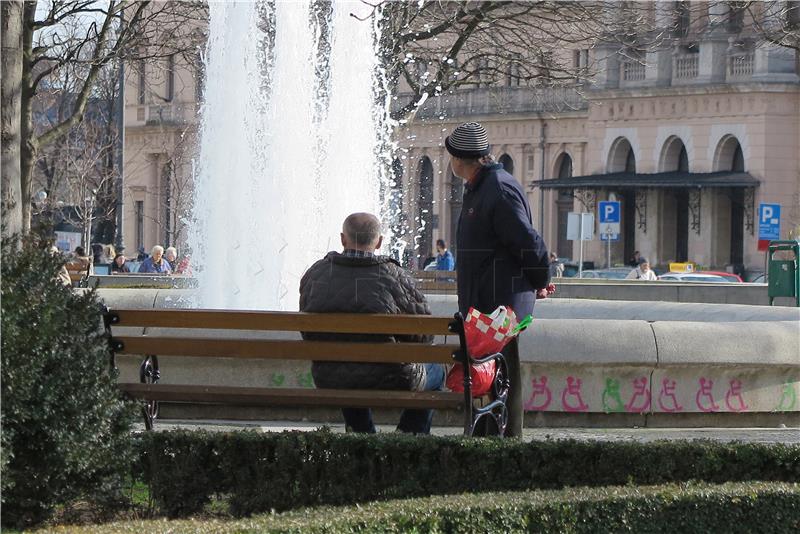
291	139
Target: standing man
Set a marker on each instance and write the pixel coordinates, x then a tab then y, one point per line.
502	261
444	258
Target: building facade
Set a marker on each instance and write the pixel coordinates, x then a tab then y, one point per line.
690	139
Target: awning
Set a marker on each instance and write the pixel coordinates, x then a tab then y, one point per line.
660	179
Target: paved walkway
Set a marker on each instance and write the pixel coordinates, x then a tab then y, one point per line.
749	435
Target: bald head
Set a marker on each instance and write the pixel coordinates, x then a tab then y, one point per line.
362	231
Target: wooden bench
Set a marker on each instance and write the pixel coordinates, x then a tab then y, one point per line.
79	272
184	341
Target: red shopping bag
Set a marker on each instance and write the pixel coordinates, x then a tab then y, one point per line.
485	335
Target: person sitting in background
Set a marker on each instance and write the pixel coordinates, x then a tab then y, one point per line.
109	253
142	255
118	265
156	263
97	253
63	273
80	260
444	258
171	255
556	267
635	260
642	272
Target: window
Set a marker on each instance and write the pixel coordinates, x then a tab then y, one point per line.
529	165
735	21
683	18
170	78
142	83
139	224
199	81
580	63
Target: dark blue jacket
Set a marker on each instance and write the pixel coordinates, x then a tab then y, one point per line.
501	258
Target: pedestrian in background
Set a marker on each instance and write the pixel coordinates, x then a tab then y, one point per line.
642	272
502	261
444	258
556	267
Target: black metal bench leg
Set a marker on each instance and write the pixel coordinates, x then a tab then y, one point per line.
149	374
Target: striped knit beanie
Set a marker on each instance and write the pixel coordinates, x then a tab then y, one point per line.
468	141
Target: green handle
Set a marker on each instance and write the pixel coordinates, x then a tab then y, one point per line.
525	323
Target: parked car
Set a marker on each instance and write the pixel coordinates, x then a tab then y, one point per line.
730	277
614	273
691	277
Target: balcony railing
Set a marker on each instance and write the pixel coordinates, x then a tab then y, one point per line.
155	114
686	66
740	65
494	100
633	71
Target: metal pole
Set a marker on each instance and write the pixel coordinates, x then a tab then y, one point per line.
542	177
120	147
608	248
580	257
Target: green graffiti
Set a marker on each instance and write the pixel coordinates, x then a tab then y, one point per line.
611	393
305	380
788	398
277	379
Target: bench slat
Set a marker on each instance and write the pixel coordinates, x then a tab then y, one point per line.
288	350
294	396
349	323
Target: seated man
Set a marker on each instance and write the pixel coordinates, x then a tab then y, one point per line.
359	281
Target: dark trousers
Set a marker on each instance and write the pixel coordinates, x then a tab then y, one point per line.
412	421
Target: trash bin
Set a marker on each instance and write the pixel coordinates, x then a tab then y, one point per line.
783	276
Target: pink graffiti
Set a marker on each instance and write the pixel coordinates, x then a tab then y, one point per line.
573	389
640	391
705	392
539	388
668	392
735	392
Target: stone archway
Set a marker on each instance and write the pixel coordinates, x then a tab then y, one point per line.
729	220
674	217
564	205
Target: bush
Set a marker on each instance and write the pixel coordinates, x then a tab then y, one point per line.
259	472
66	430
729	508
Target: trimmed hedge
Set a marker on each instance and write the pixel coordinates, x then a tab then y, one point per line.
259	472
730	508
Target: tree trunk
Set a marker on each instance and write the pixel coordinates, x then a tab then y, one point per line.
11	64
28	143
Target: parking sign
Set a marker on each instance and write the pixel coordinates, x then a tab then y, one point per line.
769	221
609	218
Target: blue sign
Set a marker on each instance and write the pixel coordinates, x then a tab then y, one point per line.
609	237
609	211
769	221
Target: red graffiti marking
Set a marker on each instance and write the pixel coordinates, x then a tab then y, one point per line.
573	390
705	392
735	392
539	389
668	392
641	395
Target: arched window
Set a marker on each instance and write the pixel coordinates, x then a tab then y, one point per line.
621	157
674	156
508	163
630	161
565	166
683	160
738	159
